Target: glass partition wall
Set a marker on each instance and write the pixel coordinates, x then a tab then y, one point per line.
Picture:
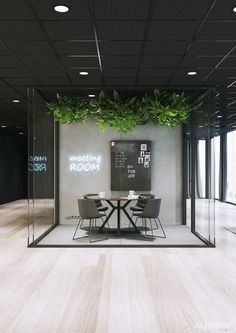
67	162
200	178
41	168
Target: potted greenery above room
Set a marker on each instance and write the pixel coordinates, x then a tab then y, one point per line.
123	113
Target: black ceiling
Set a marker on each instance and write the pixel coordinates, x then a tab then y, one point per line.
121	43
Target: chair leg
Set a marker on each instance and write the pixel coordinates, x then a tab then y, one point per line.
82	221
76	228
156	222
90	229
151	227
161	229
105	228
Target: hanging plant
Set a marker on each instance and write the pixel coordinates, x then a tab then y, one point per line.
121	113
114	112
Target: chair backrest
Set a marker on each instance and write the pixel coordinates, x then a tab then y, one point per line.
90	196
143	199
152	208
88	209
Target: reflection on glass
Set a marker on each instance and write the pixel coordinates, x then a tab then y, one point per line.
231	167
201	172
217	166
40	168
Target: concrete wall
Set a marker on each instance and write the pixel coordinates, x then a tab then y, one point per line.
86	139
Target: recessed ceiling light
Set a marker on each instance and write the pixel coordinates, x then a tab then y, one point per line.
234	126
16	101
234	9
61	8
83	73
21	133
192	73
3	126
219	116
91	95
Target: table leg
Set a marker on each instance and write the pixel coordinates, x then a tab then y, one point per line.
118	217
107	219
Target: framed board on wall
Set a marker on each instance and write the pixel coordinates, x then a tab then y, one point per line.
130	165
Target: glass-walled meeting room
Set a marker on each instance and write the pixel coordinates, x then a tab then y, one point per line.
153	186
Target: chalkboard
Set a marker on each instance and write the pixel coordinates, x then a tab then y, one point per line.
131	165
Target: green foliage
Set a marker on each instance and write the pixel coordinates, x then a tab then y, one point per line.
121	113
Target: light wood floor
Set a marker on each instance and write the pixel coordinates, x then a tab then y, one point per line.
115	290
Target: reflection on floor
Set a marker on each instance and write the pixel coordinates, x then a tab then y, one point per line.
176	235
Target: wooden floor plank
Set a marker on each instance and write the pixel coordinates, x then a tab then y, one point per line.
115	290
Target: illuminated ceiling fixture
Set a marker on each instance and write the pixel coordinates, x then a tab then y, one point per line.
21	133
219	116
192	73
91	95
234	9
3	126
16	101
83	73
61	8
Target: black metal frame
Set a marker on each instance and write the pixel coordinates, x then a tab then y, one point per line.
206	242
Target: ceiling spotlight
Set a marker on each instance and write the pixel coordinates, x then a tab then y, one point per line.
61	8
21	133
219	116
234	9
3	126
91	95
16	101
234	126
83	73
192	73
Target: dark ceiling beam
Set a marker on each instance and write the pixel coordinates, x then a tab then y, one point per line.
19	61
12	87
120	40
120	20
194	38
145	37
40	24
95	32
119	56
220	62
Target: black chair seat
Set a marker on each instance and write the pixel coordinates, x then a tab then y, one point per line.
136	209
102	208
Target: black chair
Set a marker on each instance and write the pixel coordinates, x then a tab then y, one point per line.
98	202
141	202
88	211
151	212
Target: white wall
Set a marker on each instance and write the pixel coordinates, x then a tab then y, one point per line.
87	139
